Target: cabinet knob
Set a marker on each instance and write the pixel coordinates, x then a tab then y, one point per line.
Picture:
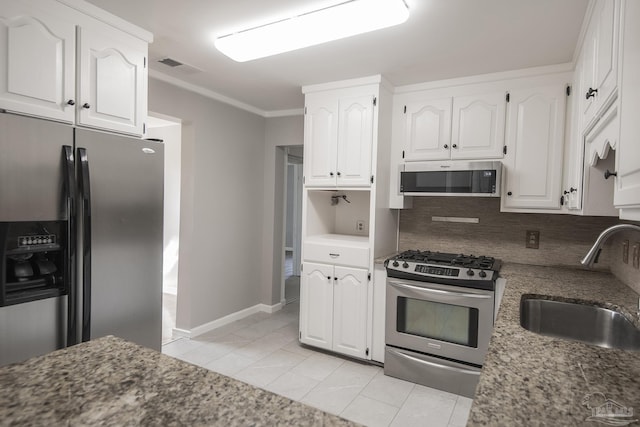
330	173
329	278
71	102
446	146
607	174
591	92
509	193
573	190
454	146
339	174
565	192
86	105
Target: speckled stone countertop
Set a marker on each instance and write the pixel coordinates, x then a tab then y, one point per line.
111	382
530	379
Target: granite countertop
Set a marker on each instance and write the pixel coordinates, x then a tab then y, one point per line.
530	379
109	381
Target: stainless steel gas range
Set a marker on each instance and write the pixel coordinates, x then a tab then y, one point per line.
440	309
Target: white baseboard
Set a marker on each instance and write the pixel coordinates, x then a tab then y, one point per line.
203	329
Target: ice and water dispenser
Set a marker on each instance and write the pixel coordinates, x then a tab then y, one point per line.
33	261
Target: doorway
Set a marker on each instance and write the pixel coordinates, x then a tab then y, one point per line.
293	224
169	130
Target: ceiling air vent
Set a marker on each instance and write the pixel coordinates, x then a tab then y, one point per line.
170	62
177	66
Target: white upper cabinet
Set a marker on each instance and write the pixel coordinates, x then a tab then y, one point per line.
58	63
427	130
338	138
627	184
37	62
112	81
535	142
355	141
599	73
455	128
478	126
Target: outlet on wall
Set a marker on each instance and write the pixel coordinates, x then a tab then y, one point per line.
360	225
533	239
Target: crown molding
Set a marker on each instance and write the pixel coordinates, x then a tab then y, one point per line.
222	98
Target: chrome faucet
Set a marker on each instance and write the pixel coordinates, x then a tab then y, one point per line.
592	256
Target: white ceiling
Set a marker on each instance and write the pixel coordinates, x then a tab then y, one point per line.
442	39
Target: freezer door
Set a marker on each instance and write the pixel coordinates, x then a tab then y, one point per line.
31	169
32	329
126	185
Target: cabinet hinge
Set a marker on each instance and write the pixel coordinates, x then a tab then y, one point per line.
508	97
300	335
372	179
504	150
568	90
367	351
145	62
369	277
403	154
375	101
303	180
305	110
301	267
405	109
144	128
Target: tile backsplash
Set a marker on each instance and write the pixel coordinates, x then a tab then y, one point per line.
564	239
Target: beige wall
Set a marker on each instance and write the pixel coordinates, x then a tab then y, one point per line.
221	204
280	132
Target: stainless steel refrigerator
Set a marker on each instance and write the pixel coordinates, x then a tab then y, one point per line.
81	217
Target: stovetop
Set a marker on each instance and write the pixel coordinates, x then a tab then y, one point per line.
445	268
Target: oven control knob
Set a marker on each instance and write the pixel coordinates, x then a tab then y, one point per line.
405	265
482	274
470	272
395	263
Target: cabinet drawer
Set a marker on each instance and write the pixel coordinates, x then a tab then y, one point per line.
332	254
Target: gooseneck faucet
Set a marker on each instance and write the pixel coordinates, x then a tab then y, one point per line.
593	253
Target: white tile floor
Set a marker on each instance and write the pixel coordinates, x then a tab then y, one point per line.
263	350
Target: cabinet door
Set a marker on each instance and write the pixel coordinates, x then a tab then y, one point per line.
37	73
350	311
427	131
535	135
316	305
113	81
355	141
627	188
478	126
320	140
606	54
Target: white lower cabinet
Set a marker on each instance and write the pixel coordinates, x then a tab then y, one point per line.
333	311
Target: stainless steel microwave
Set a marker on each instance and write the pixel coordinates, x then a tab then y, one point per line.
451	178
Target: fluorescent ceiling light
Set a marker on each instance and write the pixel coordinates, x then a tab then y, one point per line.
332	23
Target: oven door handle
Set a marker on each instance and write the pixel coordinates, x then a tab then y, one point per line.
440	291
436	365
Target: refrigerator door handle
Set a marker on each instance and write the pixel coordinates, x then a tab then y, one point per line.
70	273
85	195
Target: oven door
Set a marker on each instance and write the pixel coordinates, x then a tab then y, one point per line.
446	321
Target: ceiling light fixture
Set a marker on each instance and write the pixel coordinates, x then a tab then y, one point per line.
332	23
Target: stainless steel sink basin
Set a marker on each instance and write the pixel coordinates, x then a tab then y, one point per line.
579	322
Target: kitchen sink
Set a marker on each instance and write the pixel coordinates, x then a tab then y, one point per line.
579	322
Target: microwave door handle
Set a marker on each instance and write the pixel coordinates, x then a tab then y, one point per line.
440	291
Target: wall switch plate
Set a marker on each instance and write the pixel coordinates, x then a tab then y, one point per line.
359	225
533	239
636	255
625	252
